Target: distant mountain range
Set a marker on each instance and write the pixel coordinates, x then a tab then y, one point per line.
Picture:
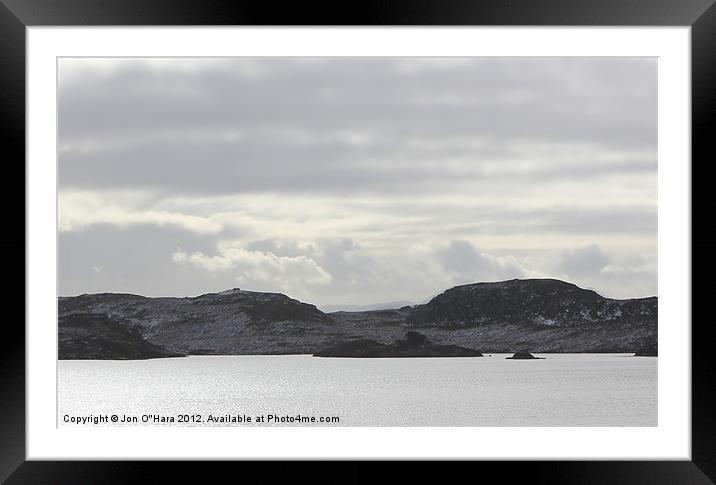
534	315
365	308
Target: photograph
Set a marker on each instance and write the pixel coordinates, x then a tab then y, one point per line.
372	241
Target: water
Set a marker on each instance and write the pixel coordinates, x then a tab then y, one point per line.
562	390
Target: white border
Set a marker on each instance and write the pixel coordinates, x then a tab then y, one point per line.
670	440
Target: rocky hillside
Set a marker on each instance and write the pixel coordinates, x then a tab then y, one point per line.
92	336
539	302
517	315
229	322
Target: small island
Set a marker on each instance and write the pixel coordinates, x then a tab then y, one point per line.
523	356
414	344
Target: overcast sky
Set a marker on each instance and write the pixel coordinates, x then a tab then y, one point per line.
356	180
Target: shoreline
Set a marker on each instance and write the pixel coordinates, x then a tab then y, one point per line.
486	355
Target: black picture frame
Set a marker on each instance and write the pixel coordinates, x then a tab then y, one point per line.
16	15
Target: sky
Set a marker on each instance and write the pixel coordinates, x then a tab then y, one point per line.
356	180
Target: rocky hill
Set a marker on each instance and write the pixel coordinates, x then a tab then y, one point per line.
229	322
540	302
92	336
537	315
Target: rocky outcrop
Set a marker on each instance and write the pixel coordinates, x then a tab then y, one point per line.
413	345
88	336
542	303
523	356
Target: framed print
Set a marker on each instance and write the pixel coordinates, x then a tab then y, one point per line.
411	235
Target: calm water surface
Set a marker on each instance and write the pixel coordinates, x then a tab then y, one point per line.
562	390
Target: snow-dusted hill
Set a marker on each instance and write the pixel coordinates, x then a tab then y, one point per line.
540	302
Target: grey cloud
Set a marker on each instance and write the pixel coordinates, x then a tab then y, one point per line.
629	220
566	98
136	259
350	263
626	276
586	261
458	221
262	162
151	121
469	265
281	248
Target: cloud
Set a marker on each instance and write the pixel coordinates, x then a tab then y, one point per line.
467	264
586	261
134	96
257	266
618	277
78	210
331	270
133	259
351	125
